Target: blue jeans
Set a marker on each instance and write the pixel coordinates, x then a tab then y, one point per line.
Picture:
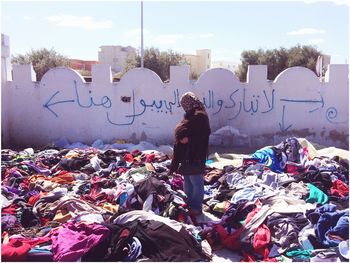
194	189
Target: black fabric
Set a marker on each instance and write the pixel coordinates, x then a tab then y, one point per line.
237	213
285	228
188	166
191	168
196	127
321	179
28	218
159	242
170	244
291	148
151	185
72	164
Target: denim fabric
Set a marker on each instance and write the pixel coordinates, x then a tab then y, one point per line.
194	189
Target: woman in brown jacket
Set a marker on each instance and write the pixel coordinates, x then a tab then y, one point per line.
191	148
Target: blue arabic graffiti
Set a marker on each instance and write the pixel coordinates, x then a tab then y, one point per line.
331	115
237	103
321	101
48	103
105	101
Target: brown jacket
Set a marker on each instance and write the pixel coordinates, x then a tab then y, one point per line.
195	125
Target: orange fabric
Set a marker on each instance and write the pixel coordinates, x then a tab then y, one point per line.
32	200
63	177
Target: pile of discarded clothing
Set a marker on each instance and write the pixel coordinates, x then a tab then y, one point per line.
89	204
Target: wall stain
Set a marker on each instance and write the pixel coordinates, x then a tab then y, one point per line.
337	136
302	133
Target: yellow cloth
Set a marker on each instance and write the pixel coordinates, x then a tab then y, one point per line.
110	207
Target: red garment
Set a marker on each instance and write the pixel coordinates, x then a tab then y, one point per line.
128	157
294	169
31	241
12	209
249	161
339	188
44	220
32	200
24	184
95	196
122	170
233	241
150	158
95	180
217	235
15	250
261	241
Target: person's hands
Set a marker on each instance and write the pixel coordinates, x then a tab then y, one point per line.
184	140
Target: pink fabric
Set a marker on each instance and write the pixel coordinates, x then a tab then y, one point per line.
74	240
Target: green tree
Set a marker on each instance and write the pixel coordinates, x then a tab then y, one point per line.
278	60
155	60
42	60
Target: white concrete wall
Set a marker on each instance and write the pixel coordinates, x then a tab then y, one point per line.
142	107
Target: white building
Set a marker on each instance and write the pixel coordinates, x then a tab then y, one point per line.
230	65
115	56
200	62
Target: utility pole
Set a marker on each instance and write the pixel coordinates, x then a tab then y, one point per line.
141	34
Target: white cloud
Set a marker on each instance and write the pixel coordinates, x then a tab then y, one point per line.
306	31
207	35
315	41
85	22
167	38
28	18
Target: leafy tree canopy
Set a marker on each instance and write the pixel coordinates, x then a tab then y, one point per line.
155	60
42	60
278	60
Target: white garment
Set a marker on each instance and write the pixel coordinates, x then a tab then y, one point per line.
143	215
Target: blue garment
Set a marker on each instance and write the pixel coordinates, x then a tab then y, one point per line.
194	189
331	222
249	193
210	192
134	250
267	156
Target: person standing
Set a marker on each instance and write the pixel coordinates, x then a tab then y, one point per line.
190	150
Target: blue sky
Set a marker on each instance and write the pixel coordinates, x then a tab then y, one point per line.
78	28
